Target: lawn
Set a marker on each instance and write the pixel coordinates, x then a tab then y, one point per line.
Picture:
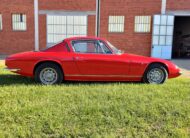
76	109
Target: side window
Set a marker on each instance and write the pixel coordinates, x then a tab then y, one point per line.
85	46
60	47
90	46
104	48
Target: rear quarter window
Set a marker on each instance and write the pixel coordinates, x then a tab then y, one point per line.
61	47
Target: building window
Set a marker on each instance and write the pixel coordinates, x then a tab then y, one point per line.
19	22
116	23
142	24
1	23
60	27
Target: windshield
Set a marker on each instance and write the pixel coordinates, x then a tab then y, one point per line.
115	50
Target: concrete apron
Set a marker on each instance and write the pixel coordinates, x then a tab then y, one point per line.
184	64
2	57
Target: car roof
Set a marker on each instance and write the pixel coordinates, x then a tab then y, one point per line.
83	38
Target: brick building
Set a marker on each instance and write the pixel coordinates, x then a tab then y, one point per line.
158	28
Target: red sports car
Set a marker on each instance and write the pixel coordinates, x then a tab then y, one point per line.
89	59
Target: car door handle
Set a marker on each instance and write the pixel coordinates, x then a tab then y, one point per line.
79	58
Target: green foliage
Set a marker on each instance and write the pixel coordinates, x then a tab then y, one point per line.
76	109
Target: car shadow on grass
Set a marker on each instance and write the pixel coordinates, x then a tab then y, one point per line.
11	79
15	79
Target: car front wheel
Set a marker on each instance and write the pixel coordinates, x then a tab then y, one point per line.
155	74
48	74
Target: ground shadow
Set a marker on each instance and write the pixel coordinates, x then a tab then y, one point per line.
16	79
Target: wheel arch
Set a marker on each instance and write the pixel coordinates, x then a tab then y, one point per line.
158	63
47	61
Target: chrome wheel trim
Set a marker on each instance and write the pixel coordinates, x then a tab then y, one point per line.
48	76
155	76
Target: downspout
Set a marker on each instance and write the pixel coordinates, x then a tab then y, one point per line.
97	31
36	25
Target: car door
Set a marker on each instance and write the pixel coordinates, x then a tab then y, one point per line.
95	58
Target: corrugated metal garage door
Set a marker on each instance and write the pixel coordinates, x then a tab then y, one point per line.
60	27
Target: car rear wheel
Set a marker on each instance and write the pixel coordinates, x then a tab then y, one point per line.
155	74
48	74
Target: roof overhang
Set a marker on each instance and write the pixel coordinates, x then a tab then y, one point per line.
179	13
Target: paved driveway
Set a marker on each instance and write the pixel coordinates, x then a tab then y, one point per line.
184	64
2	57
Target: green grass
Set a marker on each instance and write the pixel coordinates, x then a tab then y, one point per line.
93	109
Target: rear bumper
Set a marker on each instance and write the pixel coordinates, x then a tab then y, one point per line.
12	70
180	73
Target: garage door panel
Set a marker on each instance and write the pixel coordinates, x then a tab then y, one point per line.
157	51
162	36
166	52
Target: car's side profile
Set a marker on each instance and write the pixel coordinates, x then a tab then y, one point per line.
89	59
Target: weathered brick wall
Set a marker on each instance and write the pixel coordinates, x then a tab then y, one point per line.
42	31
91	25
80	5
65	5
178	5
16	41
138	43
19	41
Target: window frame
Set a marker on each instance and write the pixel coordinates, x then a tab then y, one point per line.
150	24
106	45
66	44
65	25
90	40
19	30
123	24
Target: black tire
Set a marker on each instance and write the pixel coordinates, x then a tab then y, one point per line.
155	67
50	67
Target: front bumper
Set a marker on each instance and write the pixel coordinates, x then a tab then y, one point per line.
175	75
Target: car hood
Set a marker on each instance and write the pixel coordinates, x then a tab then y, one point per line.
144	59
138	57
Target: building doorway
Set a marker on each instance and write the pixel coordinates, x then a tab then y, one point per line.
181	39
163	26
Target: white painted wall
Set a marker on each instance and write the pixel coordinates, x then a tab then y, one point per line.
36	25
163	8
